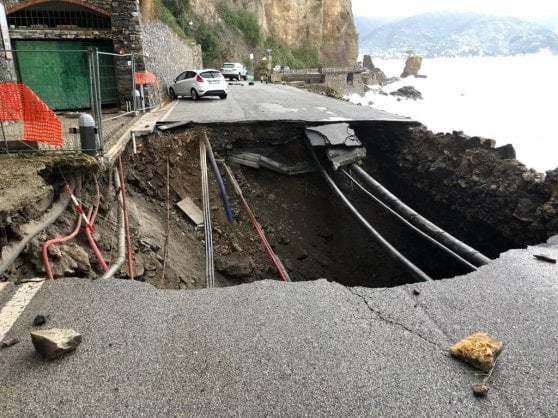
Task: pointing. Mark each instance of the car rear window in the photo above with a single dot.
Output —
(228, 66)
(211, 74)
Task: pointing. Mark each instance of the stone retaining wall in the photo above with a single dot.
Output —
(167, 54)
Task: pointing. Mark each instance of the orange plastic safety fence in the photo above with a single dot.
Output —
(146, 77)
(19, 103)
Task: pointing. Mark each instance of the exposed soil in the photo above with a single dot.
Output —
(312, 232)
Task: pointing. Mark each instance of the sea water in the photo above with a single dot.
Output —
(509, 99)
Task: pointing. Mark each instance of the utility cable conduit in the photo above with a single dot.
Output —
(222, 189)
(421, 222)
(121, 257)
(10, 254)
(89, 219)
(209, 265)
(387, 247)
(281, 270)
(410, 225)
(122, 187)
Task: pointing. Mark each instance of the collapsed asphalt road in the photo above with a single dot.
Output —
(275, 103)
(271, 348)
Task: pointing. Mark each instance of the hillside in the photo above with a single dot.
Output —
(300, 32)
(366, 24)
(458, 34)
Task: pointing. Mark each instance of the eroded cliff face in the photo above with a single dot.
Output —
(326, 25)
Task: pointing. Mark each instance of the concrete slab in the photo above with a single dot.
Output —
(271, 348)
(274, 103)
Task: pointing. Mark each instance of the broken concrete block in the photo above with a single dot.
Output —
(54, 342)
(479, 350)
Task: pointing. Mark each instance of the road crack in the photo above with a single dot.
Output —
(381, 317)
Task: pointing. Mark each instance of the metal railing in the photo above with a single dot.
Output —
(69, 83)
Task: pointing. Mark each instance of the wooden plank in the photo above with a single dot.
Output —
(191, 210)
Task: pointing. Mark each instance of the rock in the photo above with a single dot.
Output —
(326, 234)
(367, 63)
(234, 265)
(479, 350)
(412, 66)
(54, 342)
(8, 342)
(39, 320)
(408, 92)
(284, 240)
(303, 255)
(506, 152)
(480, 389)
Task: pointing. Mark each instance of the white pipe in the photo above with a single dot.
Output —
(11, 253)
(115, 267)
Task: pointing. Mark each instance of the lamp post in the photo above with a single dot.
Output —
(269, 63)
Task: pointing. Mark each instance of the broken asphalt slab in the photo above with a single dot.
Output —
(275, 103)
(270, 348)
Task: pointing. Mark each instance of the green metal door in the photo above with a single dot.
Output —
(60, 76)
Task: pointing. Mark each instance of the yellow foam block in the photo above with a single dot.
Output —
(479, 350)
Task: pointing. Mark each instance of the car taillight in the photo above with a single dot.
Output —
(199, 79)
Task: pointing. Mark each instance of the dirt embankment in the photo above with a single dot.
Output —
(476, 192)
(481, 193)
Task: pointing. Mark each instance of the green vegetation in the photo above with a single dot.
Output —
(178, 15)
(294, 58)
(243, 21)
(165, 15)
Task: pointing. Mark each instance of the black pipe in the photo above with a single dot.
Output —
(410, 225)
(421, 222)
(386, 246)
(222, 189)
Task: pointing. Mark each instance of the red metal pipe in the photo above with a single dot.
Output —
(57, 241)
(95, 248)
(126, 224)
(281, 270)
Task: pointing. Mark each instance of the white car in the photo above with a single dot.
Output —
(199, 83)
(234, 71)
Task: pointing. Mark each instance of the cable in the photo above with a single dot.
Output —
(384, 244)
(435, 231)
(410, 225)
(209, 265)
(281, 270)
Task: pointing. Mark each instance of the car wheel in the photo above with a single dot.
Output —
(172, 94)
(223, 96)
(194, 94)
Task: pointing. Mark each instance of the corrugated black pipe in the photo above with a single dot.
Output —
(220, 183)
(386, 246)
(474, 256)
(410, 225)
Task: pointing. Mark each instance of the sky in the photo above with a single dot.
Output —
(400, 8)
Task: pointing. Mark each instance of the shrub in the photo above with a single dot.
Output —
(242, 21)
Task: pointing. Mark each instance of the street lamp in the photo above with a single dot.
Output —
(269, 63)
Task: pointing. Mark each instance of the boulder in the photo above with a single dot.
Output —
(54, 342)
(367, 63)
(234, 265)
(408, 92)
(412, 66)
